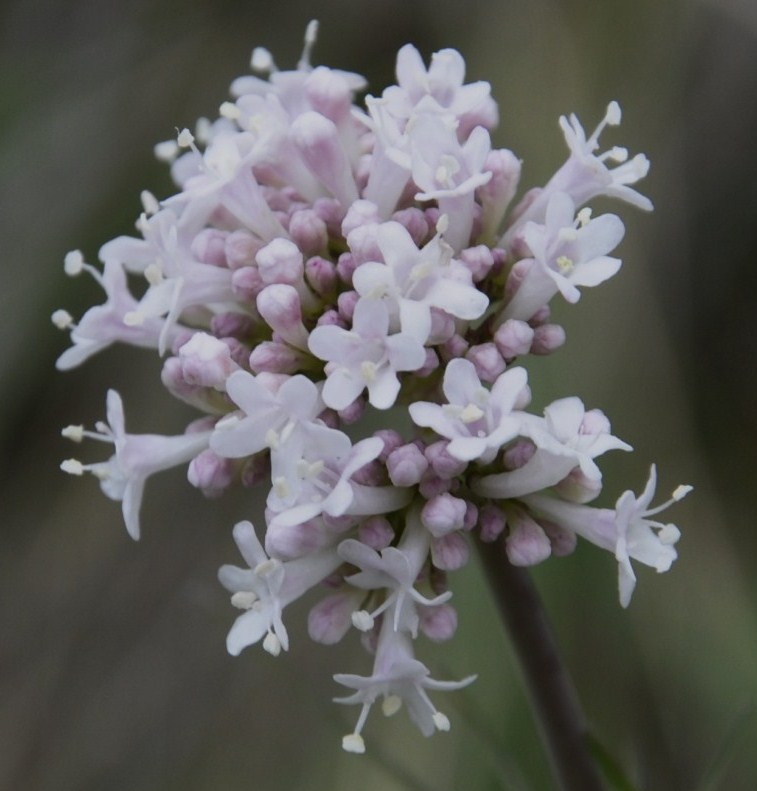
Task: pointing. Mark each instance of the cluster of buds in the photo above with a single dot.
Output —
(325, 265)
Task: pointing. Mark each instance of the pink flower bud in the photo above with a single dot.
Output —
(372, 474)
(496, 194)
(241, 249)
(329, 93)
(415, 223)
(442, 327)
(209, 247)
(430, 365)
(361, 212)
(376, 532)
(210, 472)
(432, 485)
(471, 516)
(391, 439)
(595, 422)
(276, 358)
(330, 317)
(332, 213)
(231, 325)
(450, 552)
(563, 541)
(206, 361)
(279, 305)
(363, 244)
(280, 261)
(526, 544)
(492, 522)
(487, 361)
(455, 347)
(438, 623)
(331, 618)
(247, 283)
(294, 541)
(517, 276)
(478, 260)
(513, 338)
(547, 338)
(352, 413)
(443, 514)
(578, 488)
(321, 276)
(317, 140)
(308, 231)
(346, 304)
(406, 465)
(345, 267)
(442, 463)
(518, 454)
(255, 469)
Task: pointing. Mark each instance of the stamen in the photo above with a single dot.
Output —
(353, 743)
(471, 414)
(368, 371)
(272, 644)
(243, 600)
(564, 264)
(391, 705)
(149, 202)
(311, 35)
(166, 151)
(362, 620)
(134, 318)
(75, 433)
(441, 721)
(272, 439)
(613, 115)
(62, 319)
(153, 274)
(262, 61)
(72, 467)
(583, 217)
(230, 110)
(681, 491)
(442, 224)
(281, 488)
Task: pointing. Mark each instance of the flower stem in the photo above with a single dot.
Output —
(553, 697)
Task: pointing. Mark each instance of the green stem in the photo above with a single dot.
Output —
(553, 697)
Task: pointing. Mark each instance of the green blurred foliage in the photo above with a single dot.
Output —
(113, 672)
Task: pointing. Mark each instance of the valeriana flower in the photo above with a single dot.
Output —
(366, 356)
(477, 421)
(137, 457)
(414, 280)
(266, 588)
(627, 532)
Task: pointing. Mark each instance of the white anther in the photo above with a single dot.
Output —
(272, 439)
(584, 216)
(681, 491)
(353, 743)
(441, 721)
(230, 110)
(368, 371)
(153, 274)
(149, 202)
(442, 224)
(72, 467)
(134, 318)
(391, 705)
(669, 534)
(243, 600)
(272, 644)
(185, 138)
(75, 433)
(613, 115)
(203, 130)
(73, 263)
(261, 60)
(62, 319)
(471, 414)
(564, 264)
(166, 151)
(362, 620)
(281, 487)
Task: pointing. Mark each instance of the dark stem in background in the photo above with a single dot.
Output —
(553, 698)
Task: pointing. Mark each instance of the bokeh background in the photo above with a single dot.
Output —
(113, 670)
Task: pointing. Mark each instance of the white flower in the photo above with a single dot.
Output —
(266, 588)
(476, 420)
(627, 531)
(414, 280)
(137, 457)
(365, 357)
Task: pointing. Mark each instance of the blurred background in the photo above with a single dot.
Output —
(113, 669)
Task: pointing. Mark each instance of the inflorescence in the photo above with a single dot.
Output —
(321, 262)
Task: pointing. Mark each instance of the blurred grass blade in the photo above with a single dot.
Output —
(611, 770)
(733, 738)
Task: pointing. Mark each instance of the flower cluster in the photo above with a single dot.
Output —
(321, 261)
